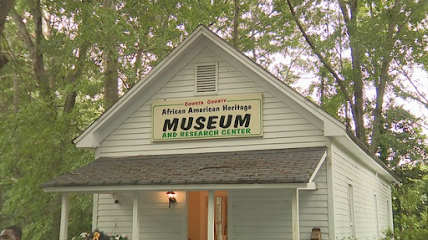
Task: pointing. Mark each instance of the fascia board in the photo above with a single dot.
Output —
(196, 187)
(166, 69)
(87, 142)
(350, 146)
(330, 125)
(334, 129)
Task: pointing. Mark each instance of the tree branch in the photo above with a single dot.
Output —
(70, 100)
(326, 64)
(235, 24)
(22, 29)
(403, 71)
(344, 11)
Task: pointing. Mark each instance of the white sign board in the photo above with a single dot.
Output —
(207, 117)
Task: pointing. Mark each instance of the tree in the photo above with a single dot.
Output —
(410, 201)
(67, 59)
(363, 44)
(368, 48)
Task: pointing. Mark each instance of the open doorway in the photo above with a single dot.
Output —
(198, 215)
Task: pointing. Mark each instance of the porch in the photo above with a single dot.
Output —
(260, 188)
(201, 215)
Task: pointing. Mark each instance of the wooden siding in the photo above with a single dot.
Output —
(283, 126)
(157, 220)
(261, 214)
(109, 214)
(365, 184)
(313, 207)
(253, 214)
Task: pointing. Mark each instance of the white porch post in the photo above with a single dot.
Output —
(210, 215)
(135, 217)
(95, 211)
(65, 209)
(295, 214)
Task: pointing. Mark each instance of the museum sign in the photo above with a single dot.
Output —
(208, 117)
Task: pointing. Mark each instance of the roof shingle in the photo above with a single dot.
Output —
(244, 167)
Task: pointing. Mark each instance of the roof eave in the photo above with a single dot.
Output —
(196, 187)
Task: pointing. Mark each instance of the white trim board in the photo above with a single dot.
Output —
(119, 188)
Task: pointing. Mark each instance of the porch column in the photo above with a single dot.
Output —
(295, 214)
(210, 215)
(135, 217)
(95, 199)
(65, 209)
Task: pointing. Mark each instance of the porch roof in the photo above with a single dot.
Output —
(242, 167)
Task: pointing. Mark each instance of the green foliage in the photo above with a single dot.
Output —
(403, 148)
(411, 203)
(379, 44)
(39, 148)
(36, 133)
(401, 139)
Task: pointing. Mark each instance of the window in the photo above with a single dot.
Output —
(376, 216)
(351, 211)
(388, 214)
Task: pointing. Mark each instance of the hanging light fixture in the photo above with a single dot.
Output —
(171, 197)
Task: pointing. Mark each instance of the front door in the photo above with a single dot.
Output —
(198, 215)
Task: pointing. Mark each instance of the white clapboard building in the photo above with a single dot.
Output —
(241, 155)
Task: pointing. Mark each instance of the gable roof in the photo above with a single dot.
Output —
(202, 38)
(262, 167)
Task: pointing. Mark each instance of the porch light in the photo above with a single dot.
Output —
(171, 197)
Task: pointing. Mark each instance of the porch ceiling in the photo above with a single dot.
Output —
(245, 167)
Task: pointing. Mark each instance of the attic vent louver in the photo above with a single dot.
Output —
(206, 79)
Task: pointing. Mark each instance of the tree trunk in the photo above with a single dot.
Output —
(70, 101)
(110, 64)
(15, 80)
(110, 79)
(39, 68)
(1, 204)
(235, 24)
(380, 85)
(15, 93)
(34, 47)
(254, 10)
(5, 6)
(350, 13)
(322, 89)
